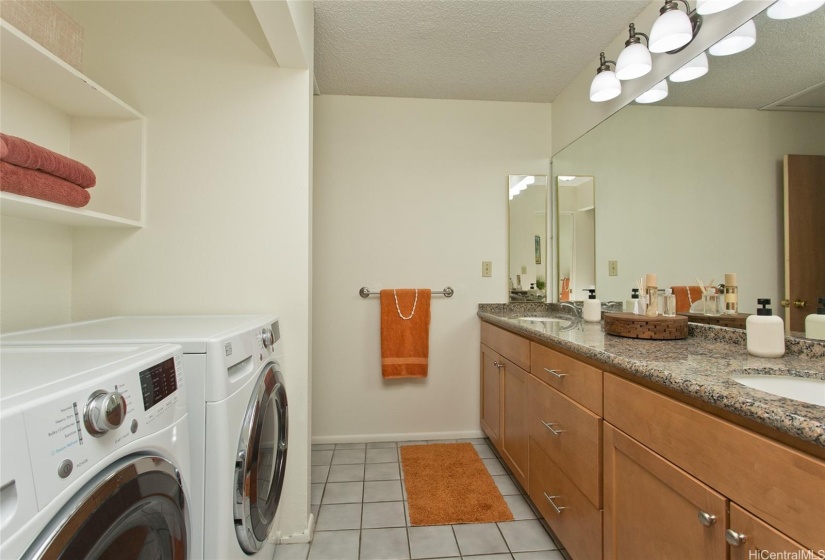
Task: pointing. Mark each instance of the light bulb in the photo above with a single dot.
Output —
(605, 86)
(634, 61)
(671, 30)
(696, 68)
(741, 39)
(787, 9)
(706, 7)
(654, 94)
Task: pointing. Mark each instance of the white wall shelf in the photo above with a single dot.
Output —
(50, 103)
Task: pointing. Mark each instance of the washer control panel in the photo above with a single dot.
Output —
(74, 431)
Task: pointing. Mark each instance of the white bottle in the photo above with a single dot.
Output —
(592, 310)
(815, 322)
(765, 332)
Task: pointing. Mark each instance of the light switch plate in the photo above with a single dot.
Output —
(486, 269)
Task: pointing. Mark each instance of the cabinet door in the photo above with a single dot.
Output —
(653, 509)
(514, 429)
(491, 395)
(749, 536)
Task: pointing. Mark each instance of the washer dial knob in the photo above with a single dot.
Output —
(104, 411)
(266, 337)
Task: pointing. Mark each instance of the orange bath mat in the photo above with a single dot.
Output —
(448, 484)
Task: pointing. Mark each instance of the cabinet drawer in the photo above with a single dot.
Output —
(780, 485)
(579, 523)
(577, 380)
(511, 346)
(577, 448)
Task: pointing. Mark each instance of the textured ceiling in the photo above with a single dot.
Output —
(498, 50)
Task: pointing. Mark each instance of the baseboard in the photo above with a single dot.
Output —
(421, 436)
(297, 538)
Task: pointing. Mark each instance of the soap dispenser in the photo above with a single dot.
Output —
(592, 310)
(632, 305)
(765, 332)
(815, 322)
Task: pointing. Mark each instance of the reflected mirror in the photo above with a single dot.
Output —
(577, 235)
(692, 187)
(528, 237)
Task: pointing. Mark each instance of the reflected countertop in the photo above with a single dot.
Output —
(699, 366)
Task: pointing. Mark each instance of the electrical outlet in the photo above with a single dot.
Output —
(486, 269)
(613, 268)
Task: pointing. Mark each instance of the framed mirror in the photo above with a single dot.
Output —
(527, 237)
(576, 218)
(693, 187)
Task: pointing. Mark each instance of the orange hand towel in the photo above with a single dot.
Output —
(405, 333)
(686, 296)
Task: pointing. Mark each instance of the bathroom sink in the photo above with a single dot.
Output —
(806, 389)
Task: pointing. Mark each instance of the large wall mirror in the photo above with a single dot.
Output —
(692, 187)
(528, 237)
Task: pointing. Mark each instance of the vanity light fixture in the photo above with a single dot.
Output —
(634, 61)
(787, 9)
(605, 85)
(696, 68)
(741, 39)
(706, 7)
(673, 30)
(654, 94)
(567, 178)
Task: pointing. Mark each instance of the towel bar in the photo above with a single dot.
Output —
(365, 292)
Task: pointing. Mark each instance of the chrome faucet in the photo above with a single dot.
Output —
(572, 307)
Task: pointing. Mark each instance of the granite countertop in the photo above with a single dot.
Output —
(699, 366)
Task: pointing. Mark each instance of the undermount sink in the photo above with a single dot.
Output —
(806, 389)
(544, 319)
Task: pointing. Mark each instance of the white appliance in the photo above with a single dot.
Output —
(238, 417)
(94, 452)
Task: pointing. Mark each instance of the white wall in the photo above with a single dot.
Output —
(410, 193)
(697, 192)
(228, 193)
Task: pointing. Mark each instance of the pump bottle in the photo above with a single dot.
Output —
(815, 322)
(592, 310)
(765, 332)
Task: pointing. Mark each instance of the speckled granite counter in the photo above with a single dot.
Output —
(699, 366)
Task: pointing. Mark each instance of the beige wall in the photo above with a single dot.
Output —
(410, 193)
(692, 192)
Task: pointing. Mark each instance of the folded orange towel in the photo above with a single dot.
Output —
(405, 333)
(26, 154)
(686, 296)
(36, 184)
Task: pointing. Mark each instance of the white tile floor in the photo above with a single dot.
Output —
(360, 504)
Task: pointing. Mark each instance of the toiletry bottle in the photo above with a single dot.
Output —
(632, 305)
(592, 310)
(731, 295)
(815, 322)
(652, 295)
(669, 304)
(765, 332)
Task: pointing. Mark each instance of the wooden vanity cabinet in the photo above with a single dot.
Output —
(749, 535)
(491, 394)
(514, 428)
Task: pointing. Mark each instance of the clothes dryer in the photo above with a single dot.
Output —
(94, 453)
(233, 368)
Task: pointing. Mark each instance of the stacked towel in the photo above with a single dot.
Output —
(31, 170)
(685, 296)
(405, 333)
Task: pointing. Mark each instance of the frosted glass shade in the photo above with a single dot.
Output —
(671, 30)
(654, 94)
(787, 9)
(634, 61)
(705, 7)
(696, 68)
(741, 39)
(605, 86)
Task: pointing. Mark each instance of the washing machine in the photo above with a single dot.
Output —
(94, 453)
(233, 369)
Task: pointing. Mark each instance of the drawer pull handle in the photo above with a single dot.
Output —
(548, 426)
(498, 364)
(734, 538)
(556, 373)
(706, 519)
(558, 509)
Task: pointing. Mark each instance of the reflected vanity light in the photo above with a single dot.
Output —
(521, 185)
(787, 9)
(567, 178)
(707, 7)
(634, 61)
(696, 68)
(654, 94)
(605, 85)
(673, 29)
(741, 39)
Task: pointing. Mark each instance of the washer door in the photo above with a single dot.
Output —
(135, 510)
(261, 460)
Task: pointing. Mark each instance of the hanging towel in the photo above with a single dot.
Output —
(36, 184)
(26, 154)
(685, 296)
(405, 343)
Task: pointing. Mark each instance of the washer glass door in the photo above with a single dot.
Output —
(259, 470)
(135, 510)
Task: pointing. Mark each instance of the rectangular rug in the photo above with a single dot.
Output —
(447, 484)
